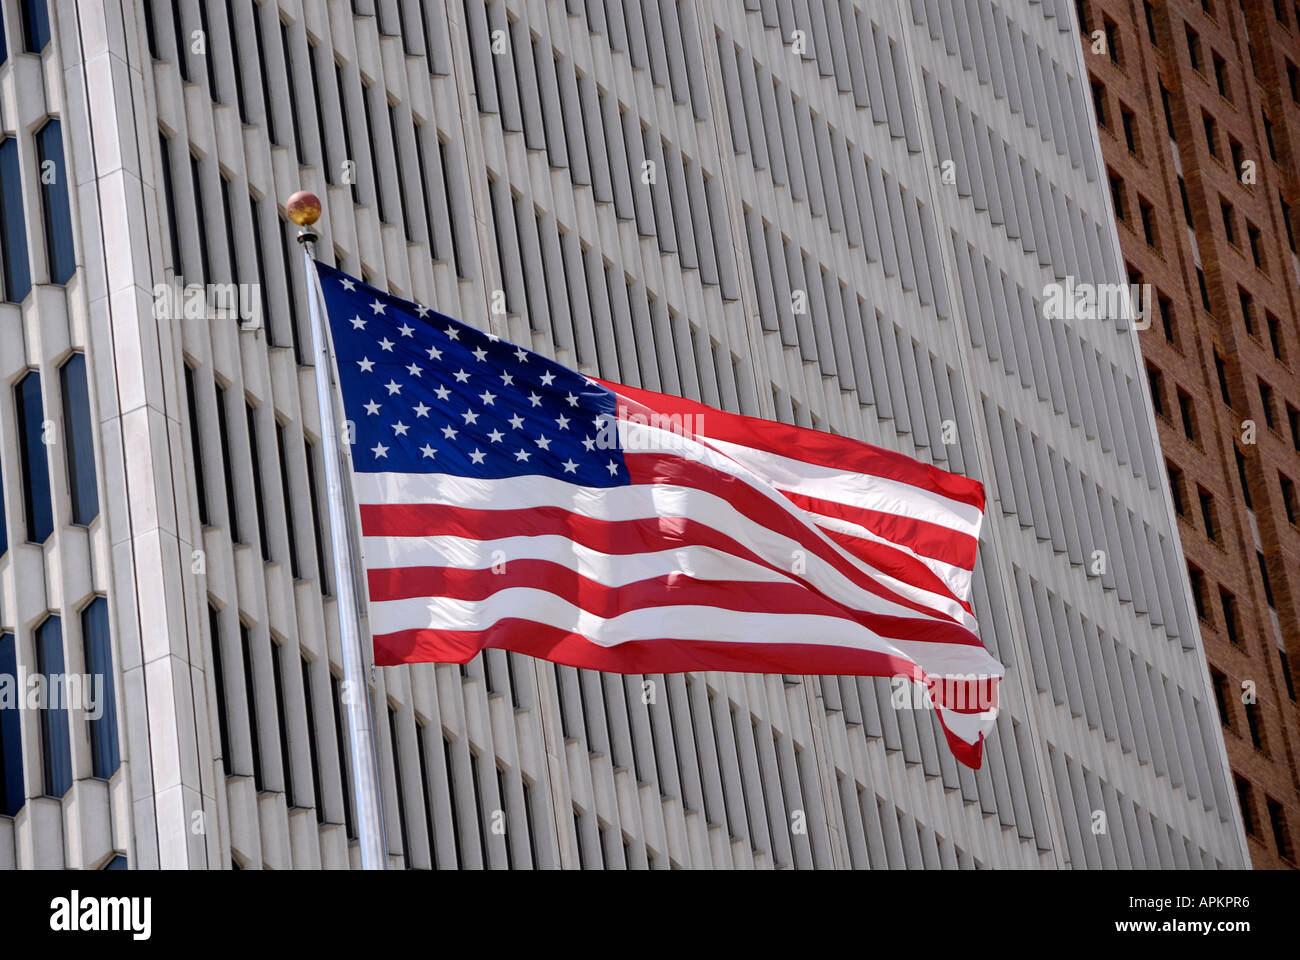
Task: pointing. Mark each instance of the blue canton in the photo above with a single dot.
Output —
(428, 394)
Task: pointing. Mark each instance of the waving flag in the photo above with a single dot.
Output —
(509, 502)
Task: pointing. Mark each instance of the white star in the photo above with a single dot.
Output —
(366, 364)
(495, 436)
(461, 376)
(570, 466)
(573, 401)
(421, 410)
(507, 379)
(372, 408)
(522, 455)
(517, 422)
(406, 330)
(357, 323)
(563, 422)
(452, 333)
(386, 344)
(480, 354)
(590, 444)
(477, 456)
(400, 428)
(470, 416)
(435, 353)
(612, 467)
(449, 433)
(413, 370)
(442, 392)
(347, 283)
(599, 421)
(379, 450)
(393, 387)
(544, 442)
(422, 311)
(521, 356)
(535, 400)
(547, 378)
(487, 397)
(377, 307)
(428, 451)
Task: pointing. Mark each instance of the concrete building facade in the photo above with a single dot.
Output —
(1198, 106)
(844, 214)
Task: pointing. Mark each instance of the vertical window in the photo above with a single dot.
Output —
(288, 501)
(1268, 134)
(267, 113)
(36, 25)
(309, 704)
(1176, 489)
(1247, 310)
(1168, 110)
(169, 195)
(250, 692)
(315, 516)
(1241, 478)
(32, 453)
(1221, 76)
(1167, 319)
(1281, 832)
(219, 681)
(401, 792)
(347, 127)
(1221, 371)
(1266, 399)
(196, 446)
(255, 210)
(78, 442)
(1238, 154)
(1211, 134)
(228, 218)
(1256, 727)
(1148, 222)
(1151, 22)
(1289, 499)
(284, 227)
(1112, 40)
(178, 34)
(223, 425)
(54, 202)
(1187, 413)
(1197, 580)
(12, 792)
(336, 697)
(1205, 290)
(1293, 420)
(280, 653)
(1099, 103)
(255, 459)
(4, 55)
(56, 753)
(1263, 575)
(1222, 696)
(292, 92)
(1229, 604)
(1187, 203)
(1129, 122)
(13, 229)
(1209, 516)
(1286, 221)
(236, 62)
(1156, 382)
(201, 218)
(313, 54)
(1229, 227)
(1117, 196)
(1194, 48)
(1275, 336)
(1246, 800)
(104, 751)
(1256, 251)
(208, 59)
(4, 526)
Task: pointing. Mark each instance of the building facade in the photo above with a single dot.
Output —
(1199, 107)
(842, 214)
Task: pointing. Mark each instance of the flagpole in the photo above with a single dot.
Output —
(304, 209)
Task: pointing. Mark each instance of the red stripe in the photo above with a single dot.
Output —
(896, 563)
(619, 537)
(650, 656)
(927, 539)
(810, 446)
(752, 502)
(669, 590)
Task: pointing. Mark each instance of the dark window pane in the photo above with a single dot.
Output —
(250, 692)
(254, 457)
(196, 447)
(4, 527)
(315, 516)
(78, 442)
(11, 740)
(232, 514)
(53, 203)
(169, 193)
(291, 529)
(117, 863)
(201, 219)
(336, 697)
(279, 653)
(104, 752)
(35, 477)
(56, 753)
(4, 46)
(13, 229)
(219, 680)
(311, 740)
(36, 25)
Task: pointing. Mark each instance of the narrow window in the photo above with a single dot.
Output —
(291, 529)
(79, 445)
(54, 203)
(219, 682)
(1197, 580)
(56, 753)
(1266, 399)
(1246, 800)
(104, 752)
(1209, 515)
(34, 467)
(36, 25)
(1289, 503)
(169, 194)
(12, 790)
(1263, 575)
(201, 218)
(1176, 489)
(291, 91)
(1222, 696)
(279, 654)
(1241, 478)
(223, 424)
(16, 273)
(1229, 604)
(336, 697)
(1221, 370)
(1187, 412)
(250, 692)
(255, 459)
(1281, 832)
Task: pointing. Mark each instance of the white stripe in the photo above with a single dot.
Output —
(610, 570)
(641, 501)
(689, 623)
(855, 489)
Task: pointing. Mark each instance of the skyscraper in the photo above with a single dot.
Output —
(852, 216)
(1198, 106)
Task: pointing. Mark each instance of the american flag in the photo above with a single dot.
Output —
(509, 502)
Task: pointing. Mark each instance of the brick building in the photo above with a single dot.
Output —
(1198, 102)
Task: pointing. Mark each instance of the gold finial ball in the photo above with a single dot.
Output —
(303, 208)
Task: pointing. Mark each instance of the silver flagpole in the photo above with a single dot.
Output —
(304, 209)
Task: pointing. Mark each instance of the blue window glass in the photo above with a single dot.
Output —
(56, 751)
(4, 47)
(14, 268)
(78, 441)
(36, 25)
(104, 753)
(35, 466)
(11, 738)
(117, 863)
(54, 203)
(4, 529)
